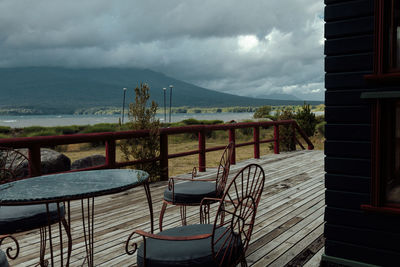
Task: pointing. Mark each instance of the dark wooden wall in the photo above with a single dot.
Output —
(350, 232)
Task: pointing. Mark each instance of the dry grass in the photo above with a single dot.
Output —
(181, 143)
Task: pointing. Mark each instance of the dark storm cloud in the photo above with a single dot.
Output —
(264, 46)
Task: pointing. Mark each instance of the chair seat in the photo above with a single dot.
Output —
(190, 192)
(3, 259)
(183, 253)
(14, 219)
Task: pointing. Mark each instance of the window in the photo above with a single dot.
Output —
(385, 186)
(393, 36)
(390, 152)
(387, 40)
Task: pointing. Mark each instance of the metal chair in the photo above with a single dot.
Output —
(221, 243)
(11, 252)
(15, 219)
(192, 191)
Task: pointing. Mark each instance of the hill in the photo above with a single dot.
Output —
(64, 90)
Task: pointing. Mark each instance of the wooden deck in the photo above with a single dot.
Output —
(288, 230)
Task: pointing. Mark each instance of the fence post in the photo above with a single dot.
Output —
(232, 139)
(256, 136)
(293, 146)
(276, 138)
(164, 157)
(110, 154)
(202, 151)
(34, 161)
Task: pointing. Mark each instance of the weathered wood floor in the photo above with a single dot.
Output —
(288, 231)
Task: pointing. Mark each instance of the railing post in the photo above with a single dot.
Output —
(276, 138)
(110, 154)
(293, 145)
(164, 157)
(232, 139)
(256, 136)
(34, 161)
(202, 151)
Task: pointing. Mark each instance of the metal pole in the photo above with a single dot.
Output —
(123, 106)
(165, 105)
(170, 101)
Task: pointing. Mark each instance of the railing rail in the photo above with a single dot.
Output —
(33, 144)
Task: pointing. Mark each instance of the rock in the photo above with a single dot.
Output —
(87, 162)
(51, 161)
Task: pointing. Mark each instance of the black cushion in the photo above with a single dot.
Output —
(3, 259)
(14, 219)
(191, 192)
(183, 253)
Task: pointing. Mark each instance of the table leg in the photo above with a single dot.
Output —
(150, 202)
(88, 229)
(64, 221)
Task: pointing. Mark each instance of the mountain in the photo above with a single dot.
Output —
(64, 90)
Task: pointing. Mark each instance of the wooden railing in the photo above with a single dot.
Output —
(33, 144)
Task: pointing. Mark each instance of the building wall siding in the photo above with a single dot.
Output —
(351, 233)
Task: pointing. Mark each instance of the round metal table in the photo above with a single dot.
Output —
(65, 187)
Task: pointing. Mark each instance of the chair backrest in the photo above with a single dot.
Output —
(13, 165)
(236, 214)
(223, 168)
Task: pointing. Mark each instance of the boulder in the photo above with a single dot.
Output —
(94, 160)
(51, 161)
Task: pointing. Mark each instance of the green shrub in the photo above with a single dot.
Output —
(99, 128)
(44, 132)
(32, 129)
(71, 129)
(286, 142)
(321, 128)
(5, 129)
(4, 136)
(262, 112)
(306, 119)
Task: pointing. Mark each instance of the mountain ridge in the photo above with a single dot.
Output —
(64, 90)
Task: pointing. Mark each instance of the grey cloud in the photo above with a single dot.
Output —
(196, 41)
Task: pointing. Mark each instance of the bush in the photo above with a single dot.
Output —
(5, 129)
(306, 120)
(286, 142)
(262, 112)
(32, 129)
(44, 132)
(2, 136)
(321, 128)
(99, 128)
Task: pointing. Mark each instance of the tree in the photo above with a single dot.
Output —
(262, 112)
(306, 119)
(143, 116)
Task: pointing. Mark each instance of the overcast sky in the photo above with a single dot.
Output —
(263, 46)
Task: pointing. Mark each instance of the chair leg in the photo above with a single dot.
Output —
(243, 262)
(163, 208)
(183, 214)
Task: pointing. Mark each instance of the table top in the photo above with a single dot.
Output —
(70, 186)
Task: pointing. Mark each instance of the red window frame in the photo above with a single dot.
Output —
(380, 150)
(386, 67)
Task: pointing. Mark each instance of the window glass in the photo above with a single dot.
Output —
(392, 158)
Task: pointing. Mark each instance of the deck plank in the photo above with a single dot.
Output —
(289, 220)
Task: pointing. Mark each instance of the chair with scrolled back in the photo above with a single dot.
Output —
(191, 191)
(221, 243)
(15, 219)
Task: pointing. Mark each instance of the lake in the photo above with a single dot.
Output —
(63, 120)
